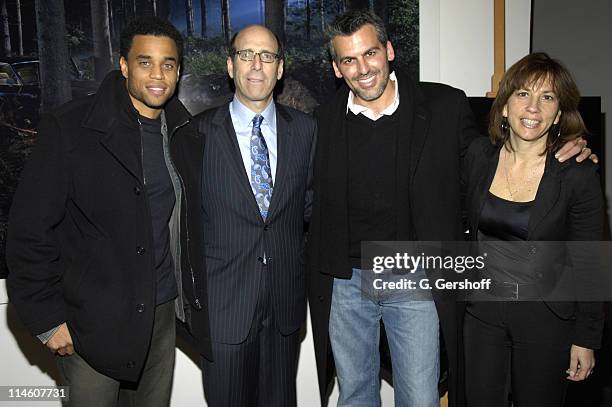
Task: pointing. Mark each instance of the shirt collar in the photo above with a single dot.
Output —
(243, 116)
(389, 110)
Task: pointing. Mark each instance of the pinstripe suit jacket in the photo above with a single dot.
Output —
(236, 236)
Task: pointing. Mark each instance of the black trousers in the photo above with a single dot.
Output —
(260, 371)
(523, 341)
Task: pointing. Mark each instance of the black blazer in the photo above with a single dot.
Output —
(568, 207)
(235, 235)
(437, 129)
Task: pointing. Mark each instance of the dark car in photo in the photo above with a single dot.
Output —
(20, 89)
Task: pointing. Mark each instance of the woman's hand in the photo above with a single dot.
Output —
(582, 362)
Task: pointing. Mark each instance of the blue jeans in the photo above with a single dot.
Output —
(412, 330)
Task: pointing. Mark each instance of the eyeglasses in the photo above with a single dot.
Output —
(249, 55)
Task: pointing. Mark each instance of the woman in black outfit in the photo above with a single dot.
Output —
(519, 194)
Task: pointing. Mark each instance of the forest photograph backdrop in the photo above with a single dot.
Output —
(54, 50)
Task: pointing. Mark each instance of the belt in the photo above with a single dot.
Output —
(512, 290)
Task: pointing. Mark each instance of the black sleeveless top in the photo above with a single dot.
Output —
(504, 220)
(502, 232)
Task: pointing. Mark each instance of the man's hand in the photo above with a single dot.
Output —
(582, 362)
(576, 147)
(61, 341)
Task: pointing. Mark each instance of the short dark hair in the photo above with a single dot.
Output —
(350, 22)
(231, 49)
(535, 69)
(149, 26)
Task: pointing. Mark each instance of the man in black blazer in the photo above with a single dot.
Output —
(256, 197)
(387, 168)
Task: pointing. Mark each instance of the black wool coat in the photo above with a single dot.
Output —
(80, 246)
(435, 135)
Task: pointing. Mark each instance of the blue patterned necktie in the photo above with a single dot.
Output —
(261, 173)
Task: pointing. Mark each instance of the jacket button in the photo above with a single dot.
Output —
(140, 308)
(197, 304)
(321, 298)
(137, 190)
(266, 227)
(140, 250)
(131, 364)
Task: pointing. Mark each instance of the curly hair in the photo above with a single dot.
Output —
(149, 26)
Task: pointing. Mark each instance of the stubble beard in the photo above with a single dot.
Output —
(378, 91)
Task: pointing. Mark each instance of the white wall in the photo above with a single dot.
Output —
(3, 296)
(580, 36)
(456, 48)
(37, 369)
(456, 43)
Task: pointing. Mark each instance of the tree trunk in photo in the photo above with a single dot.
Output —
(163, 9)
(83, 13)
(340, 6)
(6, 33)
(189, 16)
(19, 27)
(117, 19)
(357, 4)
(103, 55)
(322, 16)
(262, 12)
(145, 7)
(308, 20)
(225, 22)
(129, 7)
(111, 21)
(52, 53)
(203, 18)
(381, 8)
(275, 18)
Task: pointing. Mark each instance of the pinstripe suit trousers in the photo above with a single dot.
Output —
(261, 370)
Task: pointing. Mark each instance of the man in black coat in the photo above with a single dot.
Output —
(387, 168)
(97, 242)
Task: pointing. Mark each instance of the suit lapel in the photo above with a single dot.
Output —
(418, 123)
(481, 189)
(547, 195)
(419, 134)
(229, 144)
(284, 153)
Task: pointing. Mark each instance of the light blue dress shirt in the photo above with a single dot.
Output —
(242, 119)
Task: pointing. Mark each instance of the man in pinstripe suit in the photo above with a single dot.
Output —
(256, 196)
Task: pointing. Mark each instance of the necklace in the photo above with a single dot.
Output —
(528, 184)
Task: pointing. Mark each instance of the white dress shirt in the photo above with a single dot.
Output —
(242, 119)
